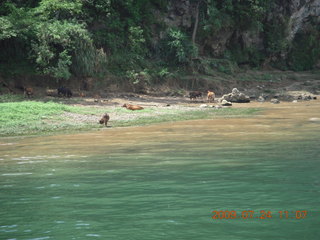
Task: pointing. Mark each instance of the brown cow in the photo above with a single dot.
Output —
(210, 96)
(27, 91)
(104, 120)
(132, 107)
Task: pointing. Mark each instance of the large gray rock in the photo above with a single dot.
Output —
(235, 96)
(300, 13)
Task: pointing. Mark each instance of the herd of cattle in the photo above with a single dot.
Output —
(195, 94)
(61, 92)
(66, 92)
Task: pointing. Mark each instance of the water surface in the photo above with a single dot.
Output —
(164, 181)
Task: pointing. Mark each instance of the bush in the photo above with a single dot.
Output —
(177, 48)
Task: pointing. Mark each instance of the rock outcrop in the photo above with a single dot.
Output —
(294, 15)
(300, 11)
(235, 96)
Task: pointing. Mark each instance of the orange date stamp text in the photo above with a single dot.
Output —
(262, 214)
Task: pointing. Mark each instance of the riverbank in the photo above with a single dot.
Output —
(43, 115)
(20, 117)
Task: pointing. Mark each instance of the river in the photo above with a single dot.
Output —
(238, 178)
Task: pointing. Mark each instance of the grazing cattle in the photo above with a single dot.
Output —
(27, 91)
(104, 120)
(210, 96)
(193, 95)
(51, 92)
(66, 92)
(132, 107)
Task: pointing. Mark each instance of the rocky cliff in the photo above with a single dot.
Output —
(299, 13)
(274, 34)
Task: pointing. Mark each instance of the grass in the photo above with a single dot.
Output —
(31, 117)
(19, 117)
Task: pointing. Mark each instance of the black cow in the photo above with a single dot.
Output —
(195, 94)
(63, 91)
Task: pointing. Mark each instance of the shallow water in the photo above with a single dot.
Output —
(164, 181)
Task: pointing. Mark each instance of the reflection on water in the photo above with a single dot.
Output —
(164, 181)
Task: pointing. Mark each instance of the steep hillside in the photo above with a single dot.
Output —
(142, 43)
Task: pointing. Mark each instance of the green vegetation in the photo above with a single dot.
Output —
(109, 39)
(30, 117)
(35, 117)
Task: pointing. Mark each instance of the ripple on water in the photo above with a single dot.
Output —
(8, 228)
(40, 157)
(93, 235)
(56, 197)
(59, 222)
(39, 238)
(83, 224)
(32, 162)
(16, 174)
(55, 185)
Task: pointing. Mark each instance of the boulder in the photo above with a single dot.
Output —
(235, 96)
(261, 99)
(226, 103)
(275, 101)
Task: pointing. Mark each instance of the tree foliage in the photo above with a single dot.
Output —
(56, 41)
(178, 48)
(82, 38)
(6, 29)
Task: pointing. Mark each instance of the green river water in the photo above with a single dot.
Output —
(165, 181)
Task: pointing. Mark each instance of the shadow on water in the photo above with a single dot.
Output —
(165, 181)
